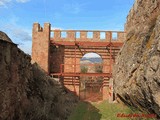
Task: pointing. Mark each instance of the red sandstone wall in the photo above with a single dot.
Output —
(56, 58)
(69, 57)
(71, 35)
(66, 55)
(40, 45)
(50, 57)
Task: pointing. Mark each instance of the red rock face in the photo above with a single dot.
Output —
(4, 37)
(25, 90)
(136, 73)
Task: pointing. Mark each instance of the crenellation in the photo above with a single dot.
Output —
(57, 35)
(108, 36)
(37, 27)
(71, 35)
(96, 36)
(83, 35)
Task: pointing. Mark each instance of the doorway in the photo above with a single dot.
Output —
(91, 87)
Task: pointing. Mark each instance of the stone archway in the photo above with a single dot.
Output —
(91, 87)
(91, 63)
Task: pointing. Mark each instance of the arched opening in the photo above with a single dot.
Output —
(91, 87)
(91, 63)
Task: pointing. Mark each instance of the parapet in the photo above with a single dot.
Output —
(88, 35)
(38, 28)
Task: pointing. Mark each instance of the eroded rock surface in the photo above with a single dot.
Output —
(137, 69)
(4, 37)
(26, 93)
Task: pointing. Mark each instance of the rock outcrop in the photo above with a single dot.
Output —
(26, 93)
(4, 37)
(137, 68)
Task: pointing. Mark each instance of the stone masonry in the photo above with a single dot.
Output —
(56, 53)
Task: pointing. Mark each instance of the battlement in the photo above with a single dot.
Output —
(88, 35)
(37, 27)
(79, 35)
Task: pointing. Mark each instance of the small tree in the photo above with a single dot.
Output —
(98, 68)
(84, 69)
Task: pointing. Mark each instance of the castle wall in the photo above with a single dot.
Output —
(55, 58)
(41, 45)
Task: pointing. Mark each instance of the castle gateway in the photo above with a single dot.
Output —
(58, 53)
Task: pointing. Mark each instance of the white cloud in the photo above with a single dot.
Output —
(14, 29)
(26, 47)
(18, 34)
(3, 3)
(91, 55)
(22, 1)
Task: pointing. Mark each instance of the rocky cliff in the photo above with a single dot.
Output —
(26, 93)
(137, 68)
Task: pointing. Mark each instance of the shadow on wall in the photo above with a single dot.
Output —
(56, 58)
(84, 110)
(48, 98)
(60, 101)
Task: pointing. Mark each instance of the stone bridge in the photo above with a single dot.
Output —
(59, 52)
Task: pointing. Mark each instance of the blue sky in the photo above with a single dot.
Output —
(18, 16)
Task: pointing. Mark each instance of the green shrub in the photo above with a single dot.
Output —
(84, 69)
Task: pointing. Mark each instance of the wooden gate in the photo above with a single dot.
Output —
(91, 88)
